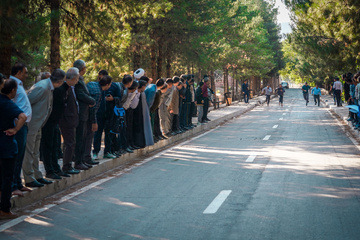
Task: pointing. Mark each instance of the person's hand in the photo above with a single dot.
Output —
(171, 111)
(10, 132)
(109, 98)
(94, 127)
(92, 105)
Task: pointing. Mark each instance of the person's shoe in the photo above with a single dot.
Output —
(315, 103)
(81, 167)
(135, 147)
(25, 189)
(53, 176)
(87, 165)
(129, 150)
(117, 154)
(95, 156)
(156, 140)
(122, 151)
(62, 174)
(17, 192)
(44, 181)
(34, 184)
(164, 137)
(207, 119)
(7, 215)
(109, 155)
(92, 162)
(350, 119)
(71, 171)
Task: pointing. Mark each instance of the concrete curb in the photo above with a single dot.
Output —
(39, 194)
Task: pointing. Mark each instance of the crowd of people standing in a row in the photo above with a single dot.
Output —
(132, 114)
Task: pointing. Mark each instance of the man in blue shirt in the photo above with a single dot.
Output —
(317, 93)
(305, 89)
(8, 145)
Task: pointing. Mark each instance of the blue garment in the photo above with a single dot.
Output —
(150, 92)
(9, 111)
(352, 90)
(245, 88)
(316, 91)
(21, 99)
(95, 91)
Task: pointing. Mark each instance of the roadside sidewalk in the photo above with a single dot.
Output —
(217, 116)
(341, 113)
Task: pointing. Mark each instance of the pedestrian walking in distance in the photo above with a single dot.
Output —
(317, 93)
(337, 90)
(268, 92)
(305, 89)
(280, 91)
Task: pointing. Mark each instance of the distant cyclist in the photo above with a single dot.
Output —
(305, 89)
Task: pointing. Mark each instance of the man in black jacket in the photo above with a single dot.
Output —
(48, 138)
(85, 101)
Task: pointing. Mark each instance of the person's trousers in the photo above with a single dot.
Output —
(246, 97)
(281, 99)
(165, 119)
(176, 124)
(30, 164)
(317, 99)
(7, 166)
(123, 143)
(191, 113)
(88, 141)
(200, 112)
(157, 129)
(182, 115)
(338, 97)
(205, 109)
(20, 138)
(268, 99)
(129, 126)
(103, 126)
(80, 142)
(306, 97)
(49, 147)
(69, 136)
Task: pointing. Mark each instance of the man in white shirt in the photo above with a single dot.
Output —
(337, 90)
(268, 91)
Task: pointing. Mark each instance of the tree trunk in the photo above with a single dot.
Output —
(5, 50)
(168, 63)
(233, 86)
(55, 35)
(213, 86)
(153, 60)
(159, 60)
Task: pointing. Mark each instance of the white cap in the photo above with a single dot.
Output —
(139, 73)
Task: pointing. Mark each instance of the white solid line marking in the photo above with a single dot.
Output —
(275, 126)
(217, 202)
(281, 119)
(18, 220)
(251, 158)
(267, 137)
(284, 114)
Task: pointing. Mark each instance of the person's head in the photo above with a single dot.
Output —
(42, 76)
(280, 86)
(306, 83)
(105, 82)
(72, 76)
(191, 81)
(180, 85)
(169, 82)
(101, 74)
(146, 79)
(246, 81)
(160, 83)
(133, 87)
(176, 80)
(201, 84)
(142, 85)
(317, 86)
(9, 88)
(337, 79)
(57, 77)
(127, 81)
(183, 77)
(206, 77)
(80, 64)
(164, 88)
(2, 81)
(19, 71)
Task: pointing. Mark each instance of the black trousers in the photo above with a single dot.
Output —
(157, 129)
(206, 109)
(49, 147)
(175, 122)
(130, 126)
(7, 166)
(69, 135)
(268, 99)
(338, 97)
(317, 99)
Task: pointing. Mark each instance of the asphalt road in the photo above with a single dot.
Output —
(274, 173)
